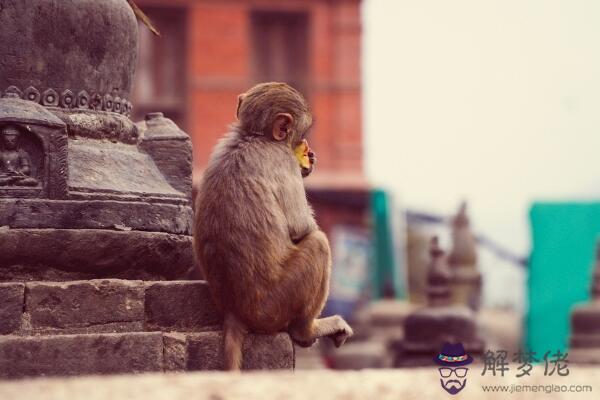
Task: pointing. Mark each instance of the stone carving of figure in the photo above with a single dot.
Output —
(15, 164)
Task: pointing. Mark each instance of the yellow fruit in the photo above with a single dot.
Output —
(301, 152)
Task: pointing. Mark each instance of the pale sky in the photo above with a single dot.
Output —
(493, 101)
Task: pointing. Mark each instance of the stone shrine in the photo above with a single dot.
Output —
(440, 321)
(95, 211)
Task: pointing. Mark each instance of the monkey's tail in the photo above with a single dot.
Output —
(234, 332)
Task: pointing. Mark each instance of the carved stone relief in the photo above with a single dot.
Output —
(67, 99)
(20, 158)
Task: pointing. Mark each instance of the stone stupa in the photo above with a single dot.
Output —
(95, 211)
(84, 192)
(465, 281)
(585, 323)
(440, 321)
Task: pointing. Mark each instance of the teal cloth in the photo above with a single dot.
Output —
(564, 239)
(387, 273)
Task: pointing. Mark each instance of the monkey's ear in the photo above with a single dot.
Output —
(240, 99)
(282, 125)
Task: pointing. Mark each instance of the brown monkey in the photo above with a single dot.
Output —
(265, 259)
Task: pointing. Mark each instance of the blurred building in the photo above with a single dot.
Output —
(210, 51)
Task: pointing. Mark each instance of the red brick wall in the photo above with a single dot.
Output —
(219, 67)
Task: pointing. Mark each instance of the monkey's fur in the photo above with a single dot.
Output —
(265, 259)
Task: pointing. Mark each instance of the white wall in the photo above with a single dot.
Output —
(494, 101)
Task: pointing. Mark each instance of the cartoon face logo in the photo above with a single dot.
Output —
(453, 373)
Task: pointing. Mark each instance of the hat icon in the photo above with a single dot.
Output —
(453, 355)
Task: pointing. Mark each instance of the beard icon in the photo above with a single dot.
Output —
(453, 386)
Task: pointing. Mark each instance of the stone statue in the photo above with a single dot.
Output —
(15, 164)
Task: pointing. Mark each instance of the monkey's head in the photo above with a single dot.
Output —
(278, 112)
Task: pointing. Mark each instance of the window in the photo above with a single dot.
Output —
(280, 47)
(160, 75)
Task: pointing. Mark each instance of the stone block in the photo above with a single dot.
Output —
(11, 307)
(36, 213)
(103, 253)
(204, 351)
(80, 354)
(180, 306)
(175, 351)
(85, 305)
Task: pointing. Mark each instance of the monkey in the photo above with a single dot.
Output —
(266, 261)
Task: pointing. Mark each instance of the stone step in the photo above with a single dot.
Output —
(105, 305)
(38, 253)
(134, 352)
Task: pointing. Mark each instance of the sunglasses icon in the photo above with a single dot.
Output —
(459, 372)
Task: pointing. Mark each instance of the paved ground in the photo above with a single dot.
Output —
(419, 384)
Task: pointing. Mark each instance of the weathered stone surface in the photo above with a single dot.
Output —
(204, 351)
(27, 273)
(180, 306)
(103, 353)
(171, 150)
(105, 254)
(107, 353)
(94, 124)
(106, 170)
(11, 307)
(35, 213)
(175, 351)
(268, 352)
(108, 305)
(85, 304)
(99, 38)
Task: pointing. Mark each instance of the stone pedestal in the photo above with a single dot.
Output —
(585, 324)
(428, 328)
(465, 281)
(87, 196)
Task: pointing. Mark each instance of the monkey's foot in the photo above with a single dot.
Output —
(342, 333)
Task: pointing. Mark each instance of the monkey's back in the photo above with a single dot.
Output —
(241, 233)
